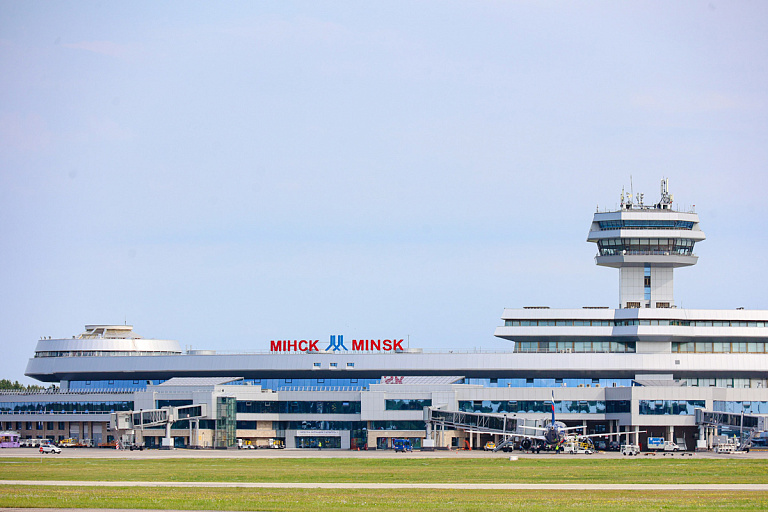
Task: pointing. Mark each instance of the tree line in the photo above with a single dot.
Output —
(6, 384)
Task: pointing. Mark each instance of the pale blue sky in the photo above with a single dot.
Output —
(225, 174)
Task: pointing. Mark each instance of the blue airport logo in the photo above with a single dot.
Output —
(337, 343)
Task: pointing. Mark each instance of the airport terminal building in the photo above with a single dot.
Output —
(645, 366)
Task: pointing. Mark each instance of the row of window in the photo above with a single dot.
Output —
(35, 425)
(575, 346)
(356, 427)
(65, 407)
(278, 384)
(725, 383)
(669, 407)
(644, 224)
(102, 353)
(545, 406)
(648, 407)
(719, 347)
(112, 383)
(406, 405)
(298, 407)
(739, 407)
(548, 383)
(624, 323)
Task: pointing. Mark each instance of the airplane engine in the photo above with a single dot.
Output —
(526, 444)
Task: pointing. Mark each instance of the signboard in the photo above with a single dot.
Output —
(318, 433)
(336, 344)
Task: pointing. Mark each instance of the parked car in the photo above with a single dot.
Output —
(49, 448)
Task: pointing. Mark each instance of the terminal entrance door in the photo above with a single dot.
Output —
(318, 442)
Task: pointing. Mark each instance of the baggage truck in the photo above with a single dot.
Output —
(658, 443)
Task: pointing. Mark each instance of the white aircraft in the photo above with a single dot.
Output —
(553, 434)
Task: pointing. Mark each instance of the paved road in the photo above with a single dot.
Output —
(306, 453)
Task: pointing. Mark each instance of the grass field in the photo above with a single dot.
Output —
(441, 470)
(324, 500)
(438, 470)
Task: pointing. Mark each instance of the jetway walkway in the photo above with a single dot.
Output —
(125, 421)
(505, 425)
(476, 422)
(748, 424)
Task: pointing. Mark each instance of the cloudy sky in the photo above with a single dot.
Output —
(225, 174)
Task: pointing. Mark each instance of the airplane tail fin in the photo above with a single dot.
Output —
(553, 407)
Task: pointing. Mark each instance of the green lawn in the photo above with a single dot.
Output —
(325, 500)
(438, 470)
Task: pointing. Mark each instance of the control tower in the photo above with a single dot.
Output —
(646, 243)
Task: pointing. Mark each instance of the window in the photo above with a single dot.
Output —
(316, 365)
(350, 365)
(633, 305)
(334, 365)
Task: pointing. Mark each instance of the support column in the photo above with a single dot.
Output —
(167, 440)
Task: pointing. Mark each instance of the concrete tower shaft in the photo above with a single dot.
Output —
(646, 243)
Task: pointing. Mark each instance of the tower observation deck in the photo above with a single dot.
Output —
(646, 243)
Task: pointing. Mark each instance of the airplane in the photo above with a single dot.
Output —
(553, 434)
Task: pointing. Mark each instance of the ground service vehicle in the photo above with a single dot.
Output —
(630, 449)
(576, 448)
(49, 448)
(658, 443)
(245, 444)
(401, 445)
(489, 446)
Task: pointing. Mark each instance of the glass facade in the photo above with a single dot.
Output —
(583, 345)
(308, 384)
(298, 407)
(398, 425)
(645, 224)
(739, 407)
(669, 407)
(226, 422)
(623, 323)
(66, 407)
(533, 406)
(86, 385)
(645, 246)
(101, 353)
(406, 404)
(548, 383)
(719, 347)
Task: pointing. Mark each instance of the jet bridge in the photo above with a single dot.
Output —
(505, 425)
(166, 416)
(749, 425)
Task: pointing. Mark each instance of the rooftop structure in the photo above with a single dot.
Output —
(646, 243)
